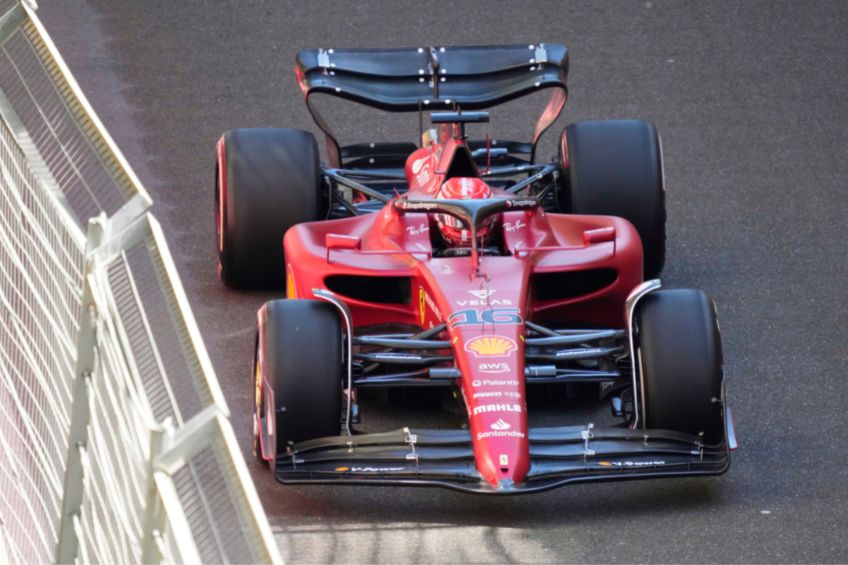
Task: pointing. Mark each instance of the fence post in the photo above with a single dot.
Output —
(154, 513)
(73, 493)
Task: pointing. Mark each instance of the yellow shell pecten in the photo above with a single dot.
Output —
(491, 346)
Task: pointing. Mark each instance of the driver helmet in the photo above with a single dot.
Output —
(453, 229)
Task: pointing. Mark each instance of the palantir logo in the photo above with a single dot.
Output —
(500, 425)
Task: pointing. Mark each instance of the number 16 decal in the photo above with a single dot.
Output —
(499, 316)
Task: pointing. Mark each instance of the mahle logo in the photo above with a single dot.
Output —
(497, 408)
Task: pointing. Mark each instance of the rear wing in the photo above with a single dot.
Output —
(434, 78)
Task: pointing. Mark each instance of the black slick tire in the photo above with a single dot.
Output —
(300, 360)
(680, 357)
(614, 168)
(266, 181)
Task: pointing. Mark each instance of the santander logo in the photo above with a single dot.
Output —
(418, 163)
(500, 425)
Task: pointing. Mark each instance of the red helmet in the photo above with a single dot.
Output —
(453, 229)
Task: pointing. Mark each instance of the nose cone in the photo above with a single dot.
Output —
(493, 384)
(485, 321)
(499, 435)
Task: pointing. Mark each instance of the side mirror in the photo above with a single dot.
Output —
(339, 241)
(599, 235)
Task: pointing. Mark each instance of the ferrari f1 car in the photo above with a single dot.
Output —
(466, 264)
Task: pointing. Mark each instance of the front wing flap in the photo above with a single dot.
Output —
(445, 458)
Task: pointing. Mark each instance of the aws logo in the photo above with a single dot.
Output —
(493, 367)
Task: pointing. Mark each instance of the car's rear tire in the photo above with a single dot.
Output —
(680, 358)
(614, 168)
(300, 364)
(266, 181)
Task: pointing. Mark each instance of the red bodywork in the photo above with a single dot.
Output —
(484, 311)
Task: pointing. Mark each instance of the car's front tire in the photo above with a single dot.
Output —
(680, 360)
(299, 355)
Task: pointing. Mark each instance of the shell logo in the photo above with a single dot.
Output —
(490, 346)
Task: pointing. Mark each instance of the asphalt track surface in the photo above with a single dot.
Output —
(751, 100)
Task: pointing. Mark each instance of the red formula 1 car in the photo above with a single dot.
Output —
(465, 264)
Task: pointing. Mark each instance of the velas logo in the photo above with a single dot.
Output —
(481, 294)
(500, 425)
(497, 408)
(490, 302)
(483, 298)
(491, 346)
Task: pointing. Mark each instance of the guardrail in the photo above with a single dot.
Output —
(115, 440)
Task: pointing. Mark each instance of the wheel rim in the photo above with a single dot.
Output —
(257, 405)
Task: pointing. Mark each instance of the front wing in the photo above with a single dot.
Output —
(445, 458)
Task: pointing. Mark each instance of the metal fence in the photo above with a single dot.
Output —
(114, 435)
